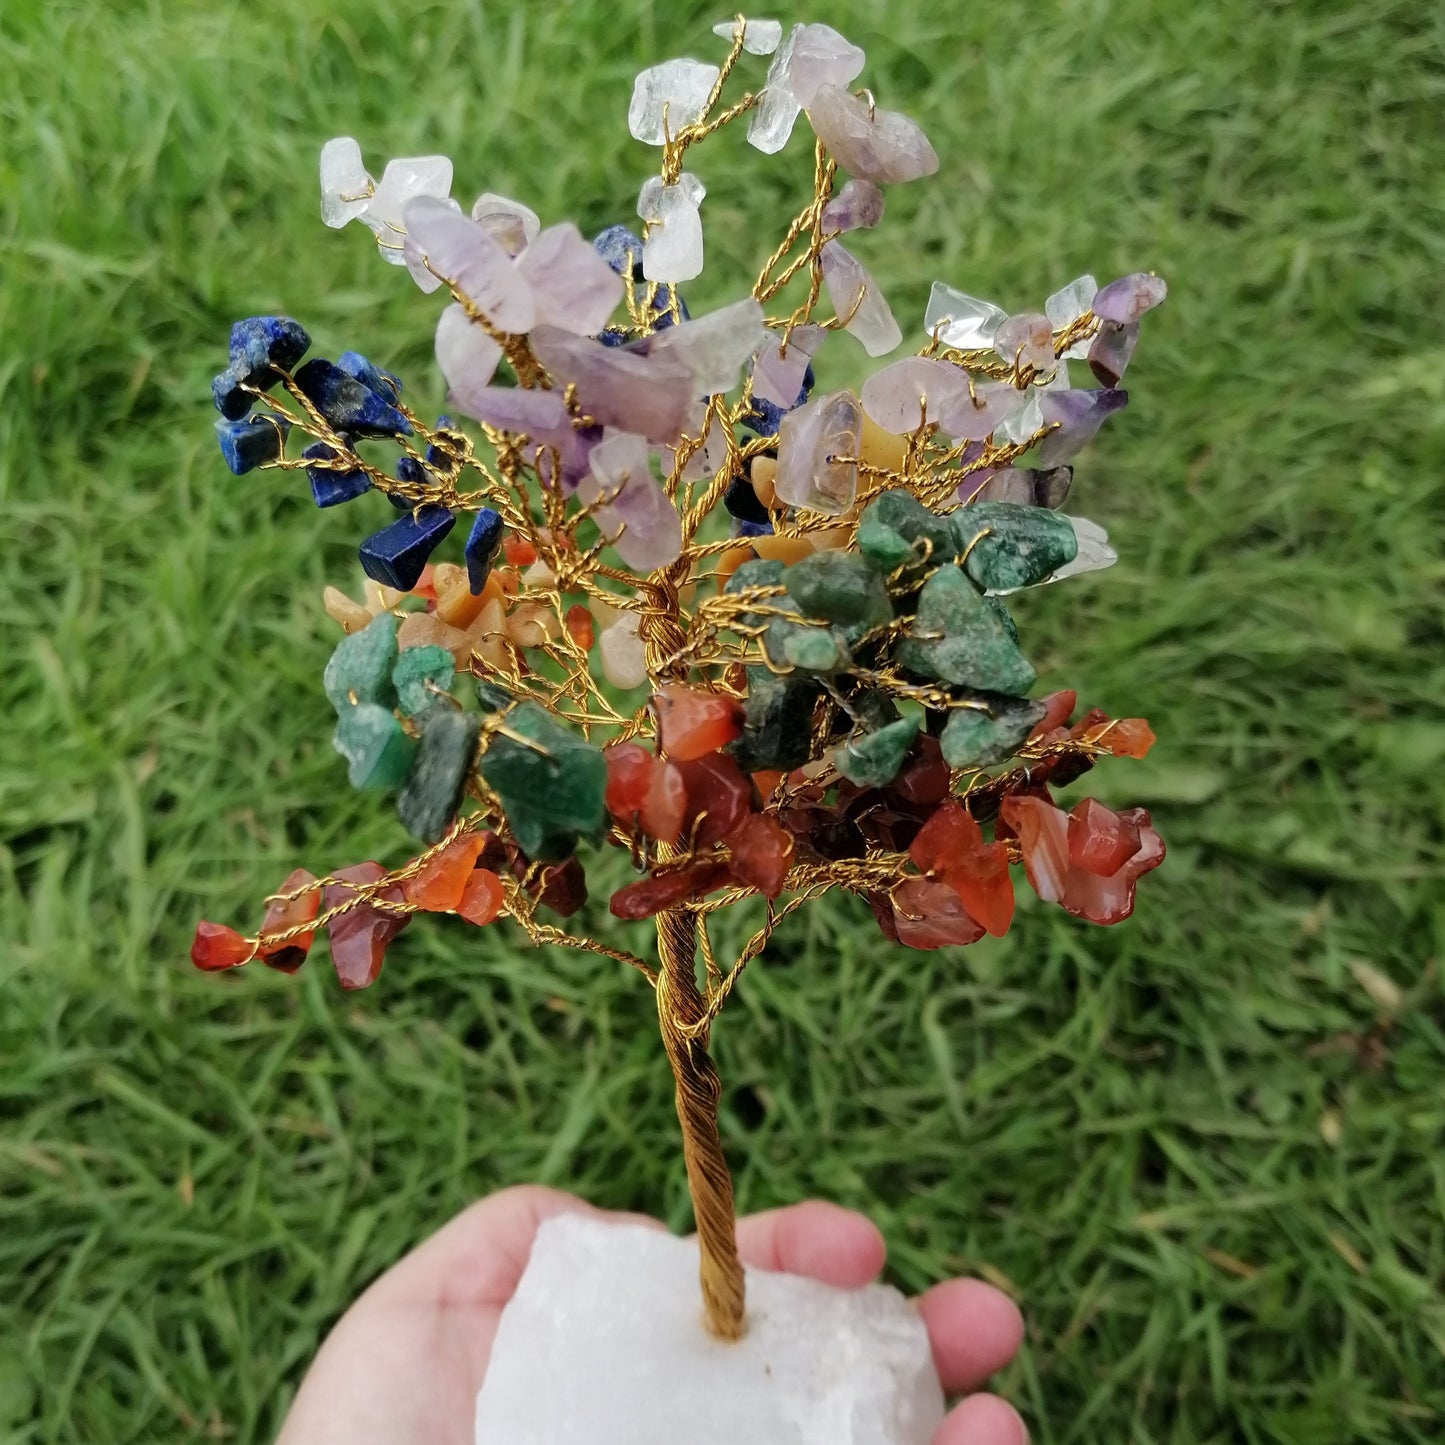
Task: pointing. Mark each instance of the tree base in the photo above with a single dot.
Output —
(604, 1342)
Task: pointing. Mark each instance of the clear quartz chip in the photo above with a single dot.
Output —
(667, 97)
(855, 295)
(760, 37)
(1066, 305)
(346, 186)
(962, 321)
(509, 223)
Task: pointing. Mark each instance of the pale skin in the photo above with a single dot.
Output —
(405, 1362)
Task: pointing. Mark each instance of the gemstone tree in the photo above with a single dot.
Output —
(746, 628)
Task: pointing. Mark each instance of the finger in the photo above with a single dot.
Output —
(819, 1240)
(974, 1328)
(982, 1420)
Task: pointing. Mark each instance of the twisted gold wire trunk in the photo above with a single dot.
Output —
(699, 1090)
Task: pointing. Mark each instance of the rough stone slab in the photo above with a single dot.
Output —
(604, 1343)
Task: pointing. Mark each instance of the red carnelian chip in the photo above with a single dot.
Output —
(286, 913)
(580, 627)
(692, 723)
(216, 947)
(520, 552)
(986, 887)
(766, 782)
(1043, 834)
(1101, 841)
(1111, 900)
(1058, 709)
(438, 885)
(949, 835)
(1130, 737)
(562, 887)
(646, 790)
(762, 853)
(651, 895)
(718, 788)
(482, 896)
(929, 914)
(664, 810)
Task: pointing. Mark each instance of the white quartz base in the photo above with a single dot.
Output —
(603, 1344)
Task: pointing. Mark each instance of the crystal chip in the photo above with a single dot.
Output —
(640, 519)
(467, 356)
(1066, 305)
(858, 206)
(821, 56)
(462, 253)
(509, 223)
(716, 346)
(818, 454)
(776, 111)
(667, 97)
(573, 286)
(760, 37)
(912, 390)
(877, 145)
(855, 294)
(672, 250)
(404, 180)
(346, 186)
(962, 321)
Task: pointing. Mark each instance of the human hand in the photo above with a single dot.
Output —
(404, 1364)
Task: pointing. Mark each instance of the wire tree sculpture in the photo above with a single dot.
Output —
(749, 631)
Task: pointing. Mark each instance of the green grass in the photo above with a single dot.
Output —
(1206, 1159)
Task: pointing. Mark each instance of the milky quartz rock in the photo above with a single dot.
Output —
(848, 280)
(777, 373)
(459, 250)
(898, 396)
(715, 347)
(346, 185)
(818, 453)
(639, 518)
(571, 285)
(619, 387)
(1069, 303)
(858, 206)
(760, 37)
(672, 250)
(880, 146)
(603, 1343)
(960, 320)
(467, 356)
(509, 223)
(674, 92)
(402, 181)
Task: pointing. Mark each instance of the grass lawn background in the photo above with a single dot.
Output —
(1202, 1152)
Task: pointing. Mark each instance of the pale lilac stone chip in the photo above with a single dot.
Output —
(619, 387)
(715, 347)
(821, 56)
(1026, 340)
(976, 417)
(777, 373)
(855, 295)
(637, 514)
(1128, 298)
(457, 249)
(903, 395)
(572, 285)
(858, 206)
(1111, 349)
(1077, 416)
(509, 223)
(818, 454)
(467, 356)
(880, 145)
